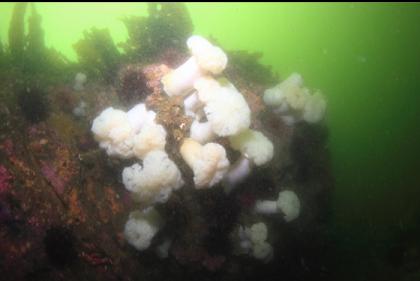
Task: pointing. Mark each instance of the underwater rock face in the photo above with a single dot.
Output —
(209, 215)
(64, 98)
(5, 178)
(49, 173)
(63, 205)
(33, 104)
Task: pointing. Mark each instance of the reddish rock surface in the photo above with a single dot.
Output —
(58, 190)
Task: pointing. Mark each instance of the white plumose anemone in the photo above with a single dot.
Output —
(141, 227)
(155, 181)
(206, 88)
(151, 137)
(191, 105)
(208, 162)
(108, 120)
(206, 58)
(315, 107)
(210, 58)
(287, 203)
(202, 132)
(128, 134)
(114, 133)
(256, 149)
(138, 116)
(225, 107)
(253, 241)
(254, 145)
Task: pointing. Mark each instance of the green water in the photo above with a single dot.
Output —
(364, 57)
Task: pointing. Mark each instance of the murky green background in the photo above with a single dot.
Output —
(365, 58)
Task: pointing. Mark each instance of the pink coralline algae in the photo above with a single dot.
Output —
(5, 178)
(91, 255)
(213, 263)
(50, 174)
(95, 259)
(199, 255)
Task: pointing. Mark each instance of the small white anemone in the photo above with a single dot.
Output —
(208, 162)
(275, 97)
(296, 94)
(290, 92)
(263, 251)
(155, 181)
(254, 145)
(257, 232)
(206, 58)
(294, 102)
(256, 149)
(253, 241)
(141, 227)
(315, 108)
(287, 204)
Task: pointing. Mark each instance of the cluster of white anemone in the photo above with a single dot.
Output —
(218, 110)
(129, 134)
(136, 134)
(253, 240)
(293, 102)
